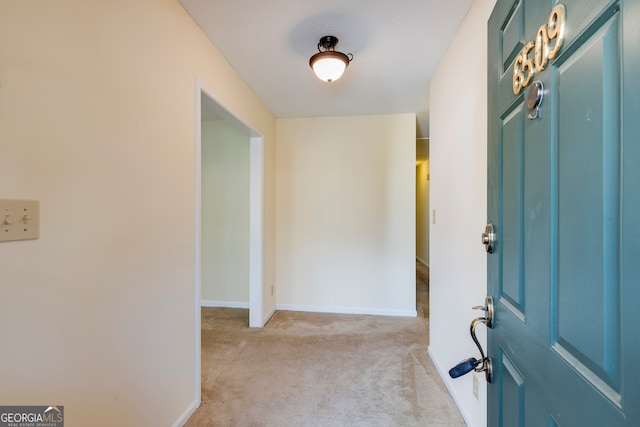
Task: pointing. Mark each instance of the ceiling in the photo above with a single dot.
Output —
(396, 46)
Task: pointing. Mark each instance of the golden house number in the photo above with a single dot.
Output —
(546, 47)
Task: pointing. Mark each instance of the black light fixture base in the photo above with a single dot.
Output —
(328, 43)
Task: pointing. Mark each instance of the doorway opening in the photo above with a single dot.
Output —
(216, 120)
(422, 226)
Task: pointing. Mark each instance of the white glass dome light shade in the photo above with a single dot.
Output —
(329, 65)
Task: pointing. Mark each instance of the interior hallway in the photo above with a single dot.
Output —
(314, 369)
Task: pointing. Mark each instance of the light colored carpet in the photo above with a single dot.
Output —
(311, 369)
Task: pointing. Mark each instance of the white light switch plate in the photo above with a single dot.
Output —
(19, 219)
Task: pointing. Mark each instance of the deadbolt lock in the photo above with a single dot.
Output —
(489, 238)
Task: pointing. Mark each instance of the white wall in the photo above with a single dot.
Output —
(458, 145)
(422, 212)
(346, 214)
(225, 214)
(97, 106)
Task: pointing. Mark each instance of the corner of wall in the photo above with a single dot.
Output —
(458, 192)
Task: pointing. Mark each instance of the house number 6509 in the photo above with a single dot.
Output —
(525, 67)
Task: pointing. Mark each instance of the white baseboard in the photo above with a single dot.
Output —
(227, 304)
(269, 314)
(421, 261)
(182, 420)
(446, 380)
(347, 310)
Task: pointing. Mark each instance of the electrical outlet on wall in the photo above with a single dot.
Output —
(475, 385)
(271, 290)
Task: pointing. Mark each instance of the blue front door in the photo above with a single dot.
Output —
(564, 197)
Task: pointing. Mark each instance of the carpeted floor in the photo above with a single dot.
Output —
(422, 290)
(311, 369)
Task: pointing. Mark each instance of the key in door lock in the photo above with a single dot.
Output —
(484, 363)
(489, 238)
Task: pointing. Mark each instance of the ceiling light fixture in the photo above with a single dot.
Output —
(329, 64)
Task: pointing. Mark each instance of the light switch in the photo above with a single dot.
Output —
(19, 219)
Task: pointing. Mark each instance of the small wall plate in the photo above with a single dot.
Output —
(19, 219)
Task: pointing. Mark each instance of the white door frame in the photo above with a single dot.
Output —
(256, 223)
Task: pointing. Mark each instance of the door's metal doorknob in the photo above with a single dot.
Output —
(489, 238)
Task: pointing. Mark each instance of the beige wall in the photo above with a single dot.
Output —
(346, 214)
(225, 214)
(422, 212)
(457, 154)
(97, 122)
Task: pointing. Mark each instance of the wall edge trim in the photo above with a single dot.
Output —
(447, 382)
(269, 315)
(184, 417)
(227, 304)
(347, 310)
